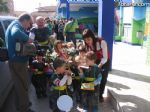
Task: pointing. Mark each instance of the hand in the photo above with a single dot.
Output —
(36, 70)
(30, 41)
(100, 66)
(67, 72)
(65, 76)
(80, 69)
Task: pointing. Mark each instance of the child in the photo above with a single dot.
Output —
(59, 82)
(89, 84)
(71, 49)
(80, 59)
(59, 51)
(39, 69)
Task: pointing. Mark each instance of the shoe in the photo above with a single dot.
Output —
(30, 104)
(79, 105)
(101, 99)
(30, 110)
(39, 96)
(44, 95)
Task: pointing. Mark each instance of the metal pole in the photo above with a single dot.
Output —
(67, 9)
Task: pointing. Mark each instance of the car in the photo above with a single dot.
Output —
(4, 23)
(6, 84)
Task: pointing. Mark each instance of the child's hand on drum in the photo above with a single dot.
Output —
(80, 69)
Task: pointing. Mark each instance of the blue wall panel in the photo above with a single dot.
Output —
(108, 24)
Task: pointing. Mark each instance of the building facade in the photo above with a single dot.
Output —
(10, 6)
(132, 23)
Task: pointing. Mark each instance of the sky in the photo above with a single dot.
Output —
(31, 5)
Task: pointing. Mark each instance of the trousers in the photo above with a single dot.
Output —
(20, 77)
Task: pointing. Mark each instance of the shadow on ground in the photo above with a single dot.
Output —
(131, 103)
(133, 76)
(118, 86)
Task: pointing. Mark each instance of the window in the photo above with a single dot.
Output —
(2, 35)
(6, 23)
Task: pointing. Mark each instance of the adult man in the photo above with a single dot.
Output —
(15, 32)
(41, 32)
(70, 29)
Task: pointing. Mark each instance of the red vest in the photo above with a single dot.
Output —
(99, 52)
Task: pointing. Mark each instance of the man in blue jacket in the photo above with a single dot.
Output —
(16, 31)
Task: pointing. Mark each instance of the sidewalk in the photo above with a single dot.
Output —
(42, 105)
(129, 81)
(130, 59)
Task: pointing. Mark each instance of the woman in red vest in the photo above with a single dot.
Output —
(99, 46)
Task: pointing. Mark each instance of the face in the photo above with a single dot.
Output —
(89, 41)
(82, 53)
(60, 22)
(89, 62)
(59, 46)
(40, 58)
(27, 24)
(40, 22)
(62, 69)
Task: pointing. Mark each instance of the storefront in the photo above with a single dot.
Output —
(131, 23)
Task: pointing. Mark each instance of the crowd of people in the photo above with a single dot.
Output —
(65, 66)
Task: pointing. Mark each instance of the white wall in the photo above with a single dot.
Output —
(127, 14)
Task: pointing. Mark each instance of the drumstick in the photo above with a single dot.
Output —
(85, 67)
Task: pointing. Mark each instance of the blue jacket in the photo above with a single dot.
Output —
(15, 32)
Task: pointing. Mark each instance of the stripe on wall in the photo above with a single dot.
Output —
(100, 10)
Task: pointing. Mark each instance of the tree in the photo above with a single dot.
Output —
(3, 6)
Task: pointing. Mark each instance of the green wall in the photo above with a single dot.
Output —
(137, 25)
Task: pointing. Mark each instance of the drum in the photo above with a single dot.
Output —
(65, 103)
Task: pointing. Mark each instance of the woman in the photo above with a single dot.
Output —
(99, 46)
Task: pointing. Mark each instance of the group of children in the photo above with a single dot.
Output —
(70, 72)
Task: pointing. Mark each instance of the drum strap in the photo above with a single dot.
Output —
(65, 90)
(44, 43)
(89, 79)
